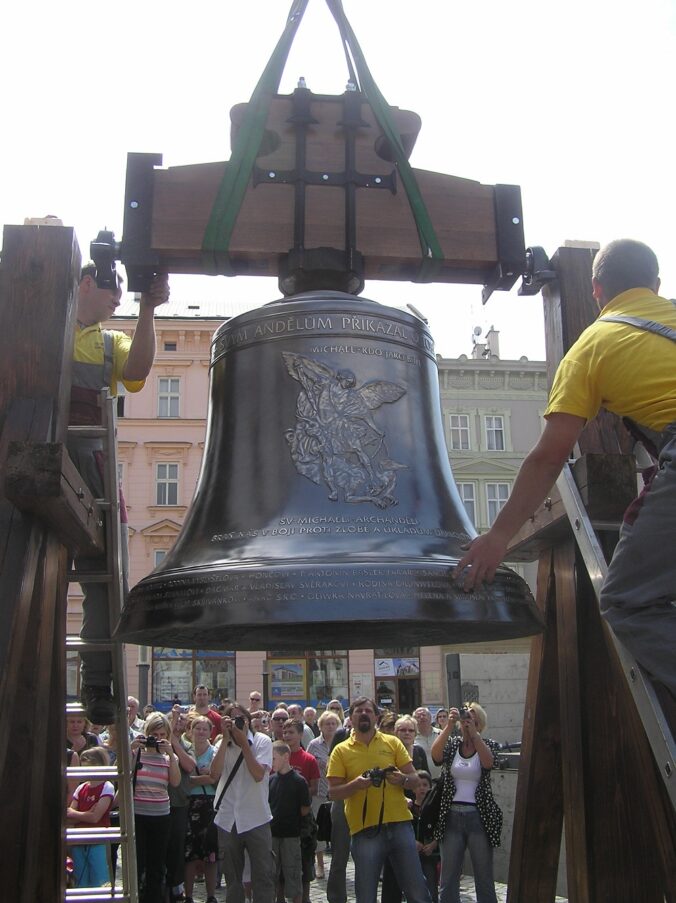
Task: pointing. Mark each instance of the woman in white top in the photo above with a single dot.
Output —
(469, 817)
(320, 747)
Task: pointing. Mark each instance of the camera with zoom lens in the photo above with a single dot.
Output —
(152, 743)
(377, 775)
(240, 722)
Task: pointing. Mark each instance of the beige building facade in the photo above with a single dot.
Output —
(492, 411)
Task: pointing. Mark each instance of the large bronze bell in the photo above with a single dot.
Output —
(325, 515)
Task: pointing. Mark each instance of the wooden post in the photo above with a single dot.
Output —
(620, 827)
(38, 281)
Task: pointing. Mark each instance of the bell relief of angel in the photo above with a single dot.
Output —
(336, 440)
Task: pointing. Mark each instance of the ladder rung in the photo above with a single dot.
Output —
(94, 894)
(75, 644)
(89, 577)
(610, 525)
(95, 835)
(94, 772)
(88, 432)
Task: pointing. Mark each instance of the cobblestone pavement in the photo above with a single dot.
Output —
(318, 888)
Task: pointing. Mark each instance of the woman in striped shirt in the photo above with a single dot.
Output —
(155, 767)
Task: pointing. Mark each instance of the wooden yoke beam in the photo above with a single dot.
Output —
(586, 761)
(38, 283)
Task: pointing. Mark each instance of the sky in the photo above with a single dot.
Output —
(573, 102)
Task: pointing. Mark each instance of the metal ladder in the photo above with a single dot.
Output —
(649, 707)
(121, 771)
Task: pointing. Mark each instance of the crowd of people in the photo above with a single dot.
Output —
(237, 794)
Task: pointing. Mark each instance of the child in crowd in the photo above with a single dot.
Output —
(90, 808)
(289, 801)
(428, 847)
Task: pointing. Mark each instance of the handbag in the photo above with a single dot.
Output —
(324, 823)
(431, 808)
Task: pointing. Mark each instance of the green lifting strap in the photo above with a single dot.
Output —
(432, 255)
(238, 171)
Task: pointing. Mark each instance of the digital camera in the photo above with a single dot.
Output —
(377, 775)
(240, 722)
(152, 743)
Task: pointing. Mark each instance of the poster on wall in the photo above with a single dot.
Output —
(287, 678)
(397, 667)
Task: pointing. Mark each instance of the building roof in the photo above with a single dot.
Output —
(182, 309)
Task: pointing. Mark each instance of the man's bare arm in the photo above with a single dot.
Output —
(536, 477)
(142, 349)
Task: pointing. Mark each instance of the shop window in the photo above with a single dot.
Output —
(176, 672)
(309, 678)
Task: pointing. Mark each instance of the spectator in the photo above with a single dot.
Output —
(405, 728)
(135, 723)
(426, 736)
(260, 721)
(427, 844)
(90, 808)
(306, 765)
(320, 748)
(289, 803)
(441, 719)
(336, 885)
(201, 696)
(255, 701)
(178, 805)
(336, 707)
(296, 712)
(201, 839)
(155, 766)
(242, 766)
(370, 771)
(78, 735)
(469, 817)
(386, 722)
(310, 718)
(277, 722)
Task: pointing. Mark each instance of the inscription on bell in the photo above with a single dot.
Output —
(336, 440)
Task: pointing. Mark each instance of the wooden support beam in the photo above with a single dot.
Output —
(607, 484)
(538, 817)
(38, 282)
(41, 479)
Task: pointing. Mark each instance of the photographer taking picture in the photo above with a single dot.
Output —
(242, 768)
(370, 771)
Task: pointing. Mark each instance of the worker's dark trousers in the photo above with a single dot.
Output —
(638, 599)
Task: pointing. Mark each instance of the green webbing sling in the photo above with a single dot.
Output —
(238, 170)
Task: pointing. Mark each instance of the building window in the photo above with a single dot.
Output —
(159, 556)
(460, 432)
(308, 678)
(177, 671)
(495, 433)
(468, 496)
(170, 346)
(166, 484)
(496, 496)
(168, 396)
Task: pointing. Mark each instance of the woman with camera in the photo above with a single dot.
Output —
(201, 841)
(155, 767)
(469, 817)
